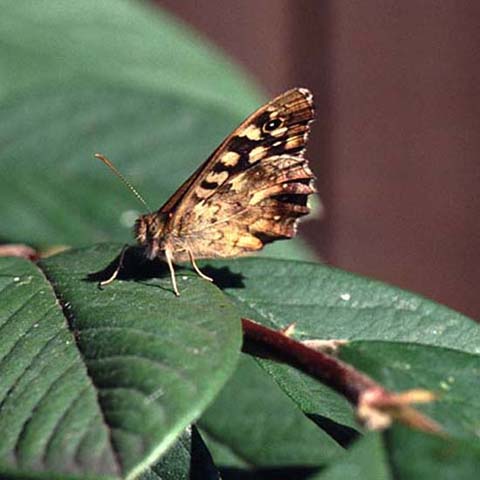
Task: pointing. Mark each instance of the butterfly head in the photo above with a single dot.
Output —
(149, 231)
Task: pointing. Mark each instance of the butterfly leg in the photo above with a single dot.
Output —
(168, 256)
(117, 270)
(195, 267)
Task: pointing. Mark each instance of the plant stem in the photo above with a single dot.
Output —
(376, 406)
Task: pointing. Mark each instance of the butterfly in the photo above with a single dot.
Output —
(251, 191)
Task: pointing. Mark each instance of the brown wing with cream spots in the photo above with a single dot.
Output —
(255, 207)
(279, 127)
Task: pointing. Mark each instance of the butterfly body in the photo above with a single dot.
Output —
(251, 191)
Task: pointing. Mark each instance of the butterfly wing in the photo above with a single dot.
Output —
(259, 206)
(253, 188)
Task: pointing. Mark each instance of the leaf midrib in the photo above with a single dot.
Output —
(68, 316)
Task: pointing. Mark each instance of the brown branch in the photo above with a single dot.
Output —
(375, 405)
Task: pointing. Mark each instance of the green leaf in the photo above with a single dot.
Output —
(187, 458)
(451, 374)
(327, 303)
(409, 454)
(365, 460)
(252, 424)
(114, 77)
(400, 339)
(155, 139)
(403, 454)
(102, 386)
(115, 42)
(416, 456)
(117, 77)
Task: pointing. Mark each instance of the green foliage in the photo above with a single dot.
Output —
(330, 303)
(104, 383)
(402, 340)
(187, 454)
(113, 77)
(287, 437)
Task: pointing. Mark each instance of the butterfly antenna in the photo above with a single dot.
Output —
(114, 169)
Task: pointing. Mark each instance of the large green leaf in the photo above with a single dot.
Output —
(115, 43)
(406, 342)
(326, 302)
(50, 417)
(117, 77)
(102, 383)
(62, 194)
(252, 424)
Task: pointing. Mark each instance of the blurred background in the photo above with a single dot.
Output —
(156, 85)
(396, 147)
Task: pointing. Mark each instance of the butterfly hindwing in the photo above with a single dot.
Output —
(258, 206)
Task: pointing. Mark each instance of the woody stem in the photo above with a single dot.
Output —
(375, 405)
(273, 344)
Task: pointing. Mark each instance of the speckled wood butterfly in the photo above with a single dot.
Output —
(251, 191)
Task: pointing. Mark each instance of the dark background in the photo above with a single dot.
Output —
(396, 147)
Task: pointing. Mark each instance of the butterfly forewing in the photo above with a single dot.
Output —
(249, 143)
(253, 188)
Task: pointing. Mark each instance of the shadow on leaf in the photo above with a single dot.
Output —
(136, 266)
(283, 473)
(223, 277)
(342, 434)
